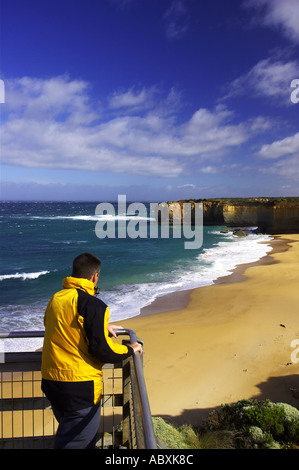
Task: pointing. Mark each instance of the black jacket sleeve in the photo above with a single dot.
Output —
(96, 317)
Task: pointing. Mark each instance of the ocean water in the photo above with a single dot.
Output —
(39, 241)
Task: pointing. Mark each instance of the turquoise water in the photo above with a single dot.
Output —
(39, 241)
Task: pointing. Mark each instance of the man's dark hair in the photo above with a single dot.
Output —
(86, 265)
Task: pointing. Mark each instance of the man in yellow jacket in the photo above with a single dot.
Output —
(76, 344)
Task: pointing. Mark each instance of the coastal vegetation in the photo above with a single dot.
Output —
(247, 424)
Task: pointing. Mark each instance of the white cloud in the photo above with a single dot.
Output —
(131, 98)
(53, 98)
(209, 170)
(143, 100)
(281, 148)
(46, 129)
(176, 20)
(261, 124)
(268, 78)
(287, 168)
(187, 185)
(279, 13)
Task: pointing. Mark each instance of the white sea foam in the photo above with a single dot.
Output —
(23, 276)
(22, 344)
(95, 218)
(22, 318)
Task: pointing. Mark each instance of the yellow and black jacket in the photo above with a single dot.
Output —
(76, 344)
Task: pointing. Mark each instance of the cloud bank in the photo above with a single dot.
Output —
(56, 123)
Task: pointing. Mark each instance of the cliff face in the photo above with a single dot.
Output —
(282, 217)
(270, 215)
(213, 213)
(240, 216)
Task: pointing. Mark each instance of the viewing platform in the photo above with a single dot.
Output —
(26, 417)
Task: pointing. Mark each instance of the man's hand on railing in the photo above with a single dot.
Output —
(111, 329)
(137, 348)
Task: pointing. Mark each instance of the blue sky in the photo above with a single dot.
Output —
(155, 99)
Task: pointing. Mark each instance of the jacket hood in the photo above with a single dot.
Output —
(79, 283)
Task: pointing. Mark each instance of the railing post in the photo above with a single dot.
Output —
(127, 438)
(146, 417)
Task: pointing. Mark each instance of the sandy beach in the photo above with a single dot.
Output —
(225, 342)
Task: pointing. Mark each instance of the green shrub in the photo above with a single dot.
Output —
(246, 424)
(260, 423)
(268, 418)
(291, 421)
(190, 436)
(175, 438)
(217, 440)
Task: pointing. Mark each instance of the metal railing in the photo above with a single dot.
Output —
(26, 417)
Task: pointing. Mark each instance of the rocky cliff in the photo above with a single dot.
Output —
(270, 215)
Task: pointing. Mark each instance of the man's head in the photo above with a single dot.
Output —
(87, 266)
